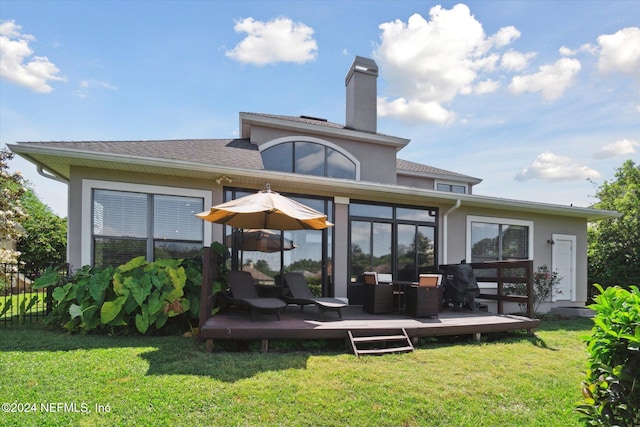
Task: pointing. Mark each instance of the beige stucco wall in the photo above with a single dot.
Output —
(417, 182)
(75, 215)
(377, 161)
(543, 225)
(543, 228)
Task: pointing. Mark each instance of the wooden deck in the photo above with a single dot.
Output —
(307, 324)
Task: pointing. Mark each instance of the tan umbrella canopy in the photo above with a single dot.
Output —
(266, 210)
(260, 240)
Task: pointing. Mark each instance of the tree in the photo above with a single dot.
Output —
(614, 244)
(12, 213)
(44, 243)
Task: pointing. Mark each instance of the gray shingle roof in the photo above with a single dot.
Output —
(419, 168)
(229, 152)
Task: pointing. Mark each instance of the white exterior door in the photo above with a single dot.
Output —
(563, 260)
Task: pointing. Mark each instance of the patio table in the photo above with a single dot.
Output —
(399, 289)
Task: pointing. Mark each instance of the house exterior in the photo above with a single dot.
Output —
(131, 198)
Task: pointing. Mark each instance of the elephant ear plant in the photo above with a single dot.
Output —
(137, 294)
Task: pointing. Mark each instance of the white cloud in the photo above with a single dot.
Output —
(429, 62)
(486, 86)
(279, 40)
(86, 85)
(587, 47)
(515, 61)
(622, 147)
(505, 36)
(553, 167)
(551, 80)
(413, 111)
(17, 63)
(620, 52)
(565, 51)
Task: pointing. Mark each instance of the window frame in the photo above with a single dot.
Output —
(322, 142)
(498, 221)
(451, 184)
(88, 185)
(395, 222)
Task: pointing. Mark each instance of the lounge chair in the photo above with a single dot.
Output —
(300, 294)
(244, 292)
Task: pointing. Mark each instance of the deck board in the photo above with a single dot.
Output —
(307, 324)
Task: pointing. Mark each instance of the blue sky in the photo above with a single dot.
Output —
(537, 98)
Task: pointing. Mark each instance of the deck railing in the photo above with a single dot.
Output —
(502, 273)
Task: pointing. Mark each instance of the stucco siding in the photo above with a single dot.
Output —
(544, 226)
(377, 161)
(79, 222)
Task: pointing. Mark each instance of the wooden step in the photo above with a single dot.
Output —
(402, 343)
(379, 338)
(386, 350)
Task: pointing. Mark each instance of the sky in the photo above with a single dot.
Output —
(539, 99)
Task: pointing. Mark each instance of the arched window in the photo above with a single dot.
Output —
(309, 158)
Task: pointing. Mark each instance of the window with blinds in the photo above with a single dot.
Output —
(127, 225)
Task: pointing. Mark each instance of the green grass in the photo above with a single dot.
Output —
(16, 300)
(506, 380)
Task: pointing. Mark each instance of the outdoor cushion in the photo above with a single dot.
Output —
(244, 292)
(430, 280)
(300, 294)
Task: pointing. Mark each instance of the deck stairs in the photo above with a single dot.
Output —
(391, 341)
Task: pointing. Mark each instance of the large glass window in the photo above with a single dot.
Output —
(304, 251)
(308, 158)
(499, 239)
(128, 224)
(388, 239)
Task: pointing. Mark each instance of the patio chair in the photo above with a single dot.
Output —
(378, 297)
(244, 293)
(425, 299)
(300, 294)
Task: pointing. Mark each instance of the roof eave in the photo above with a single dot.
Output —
(457, 178)
(293, 182)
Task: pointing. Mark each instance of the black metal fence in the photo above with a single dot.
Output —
(19, 302)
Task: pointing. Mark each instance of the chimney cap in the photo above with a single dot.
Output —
(362, 65)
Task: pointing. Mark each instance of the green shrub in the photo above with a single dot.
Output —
(137, 294)
(545, 285)
(612, 386)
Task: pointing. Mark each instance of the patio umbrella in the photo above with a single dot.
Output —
(266, 210)
(260, 240)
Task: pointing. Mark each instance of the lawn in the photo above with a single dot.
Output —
(24, 303)
(506, 380)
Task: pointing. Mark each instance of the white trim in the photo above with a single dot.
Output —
(89, 184)
(305, 138)
(573, 240)
(496, 220)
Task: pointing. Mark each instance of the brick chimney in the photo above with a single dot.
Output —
(362, 92)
